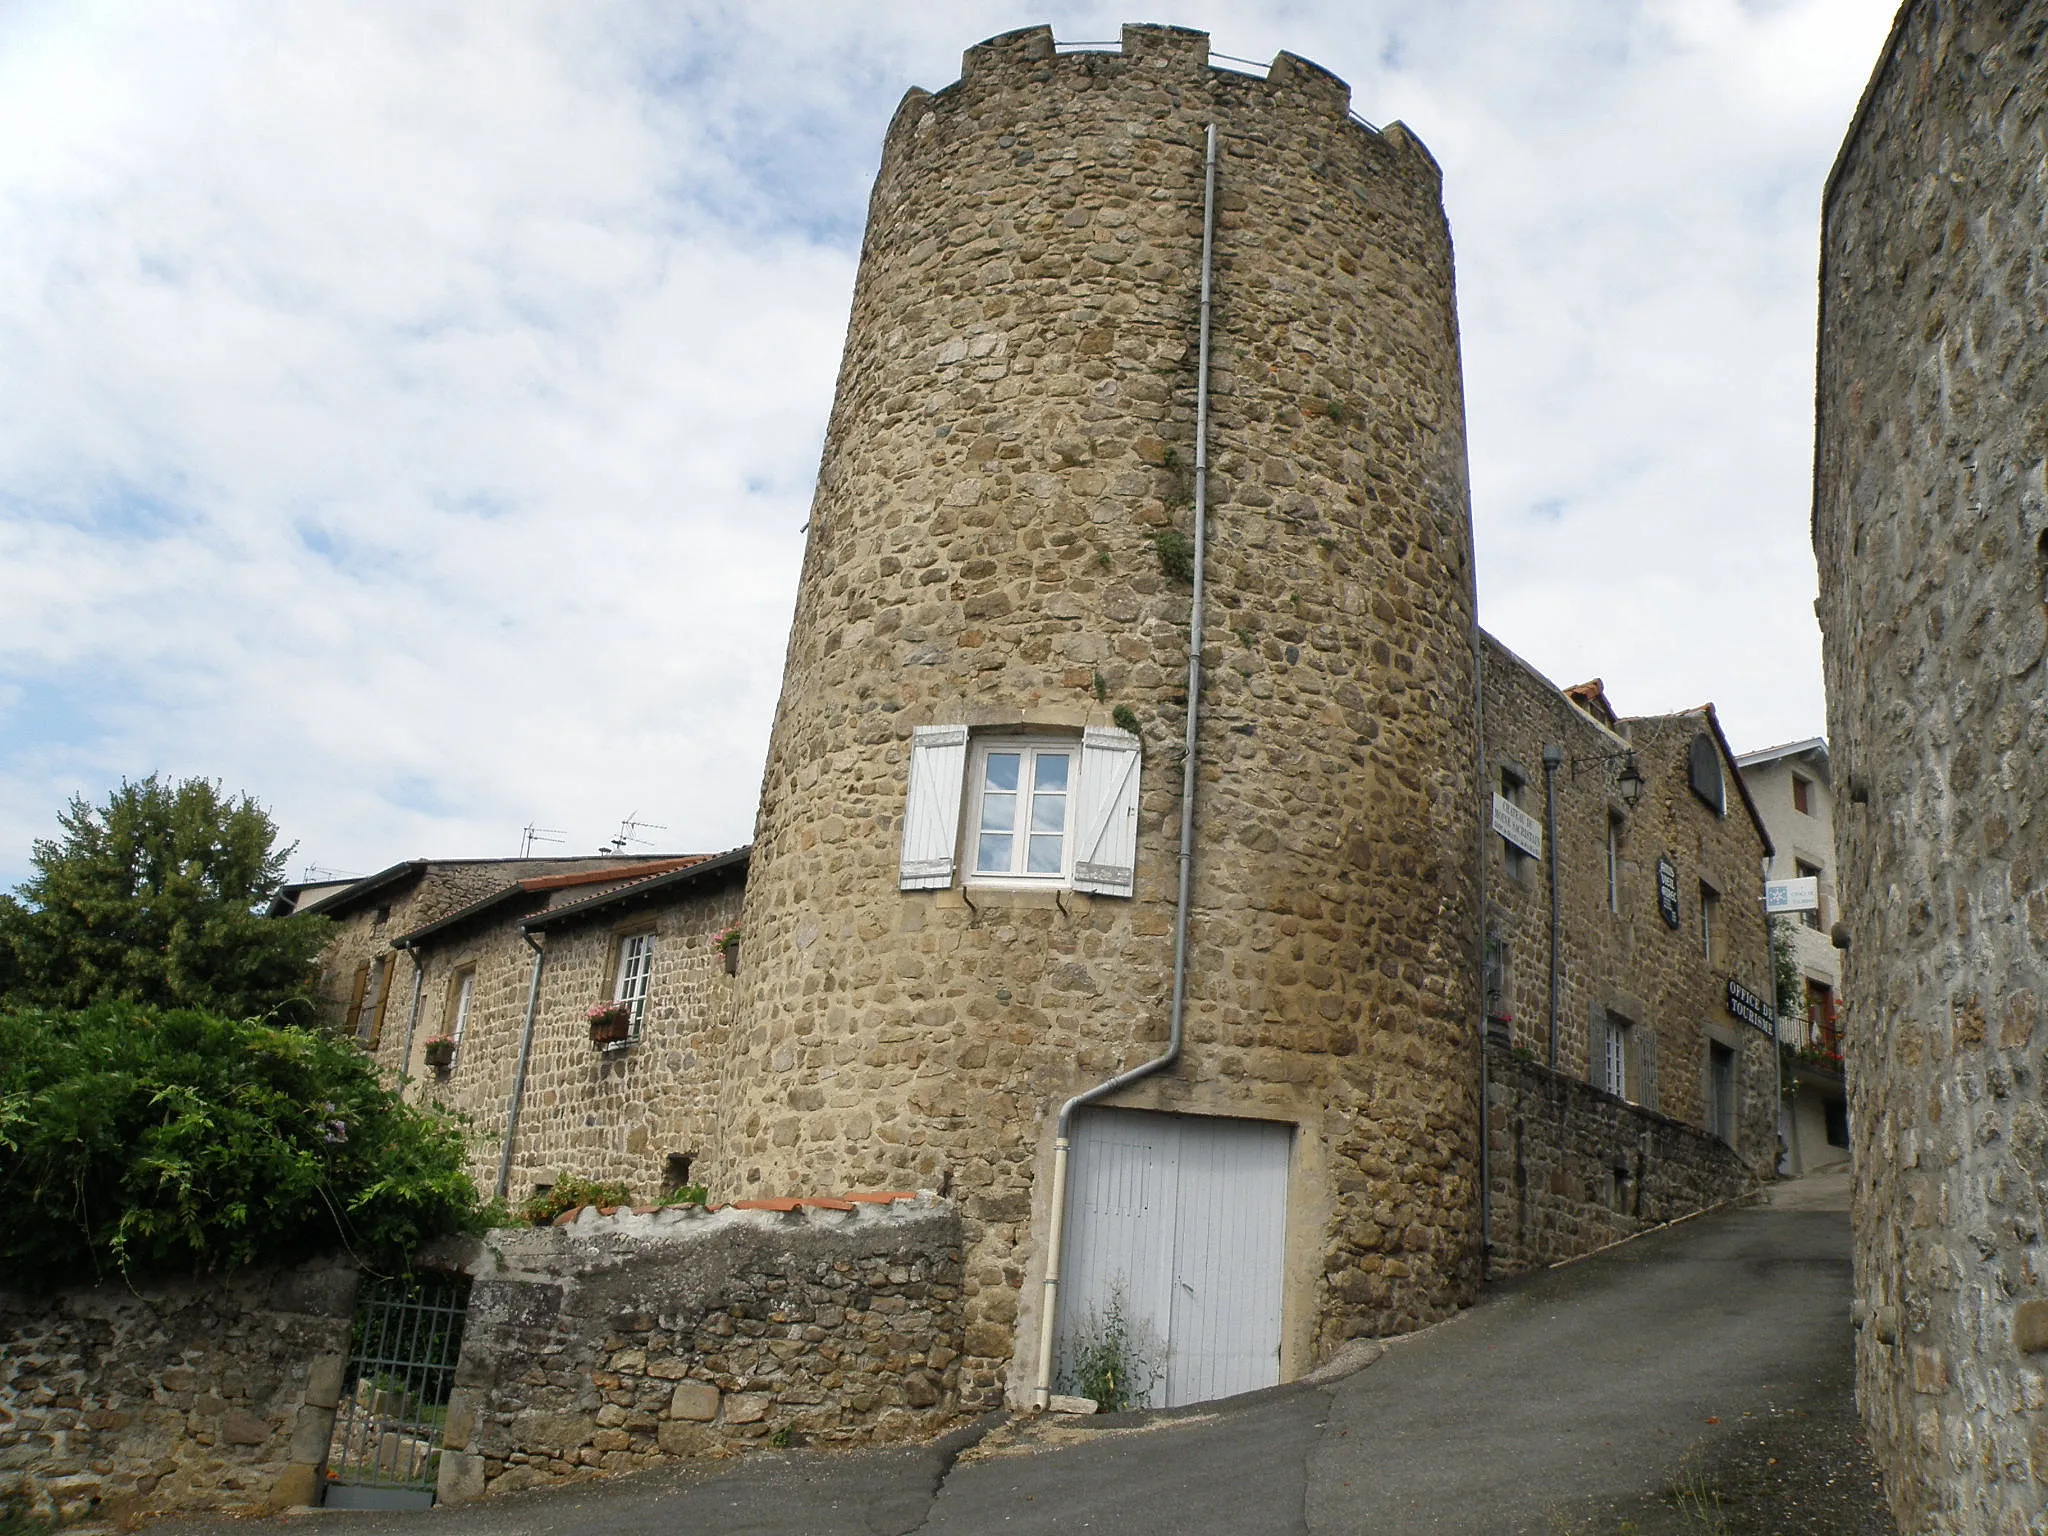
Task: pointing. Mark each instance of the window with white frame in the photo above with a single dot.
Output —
(1043, 809)
(1022, 800)
(636, 963)
(458, 1007)
(1615, 1068)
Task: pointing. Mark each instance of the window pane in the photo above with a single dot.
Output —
(998, 813)
(1052, 772)
(1048, 813)
(1045, 853)
(992, 854)
(1002, 770)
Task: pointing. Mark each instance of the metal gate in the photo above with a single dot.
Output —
(386, 1449)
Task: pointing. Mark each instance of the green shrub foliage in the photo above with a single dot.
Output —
(151, 898)
(146, 1142)
(545, 1205)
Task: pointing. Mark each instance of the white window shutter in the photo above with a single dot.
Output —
(931, 818)
(1106, 813)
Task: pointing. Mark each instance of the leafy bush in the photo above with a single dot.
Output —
(688, 1194)
(545, 1205)
(150, 1142)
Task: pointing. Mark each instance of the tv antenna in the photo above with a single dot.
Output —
(629, 834)
(320, 872)
(529, 835)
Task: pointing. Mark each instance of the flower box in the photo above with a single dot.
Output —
(610, 1023)
(441, 1053)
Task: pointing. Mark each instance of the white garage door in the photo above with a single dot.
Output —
(1184, 1217)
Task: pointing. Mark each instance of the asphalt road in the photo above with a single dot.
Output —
(1696, 1380)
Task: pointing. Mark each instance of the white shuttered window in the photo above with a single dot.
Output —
(636, 964)
(931, 819)
(1037, 810)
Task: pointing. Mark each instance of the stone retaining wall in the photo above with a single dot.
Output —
(115, 1403)
(1574, 1168)
(614, 1341)
(601, 1345)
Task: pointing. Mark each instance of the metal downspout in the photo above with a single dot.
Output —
(1049, 1306)
(412, 1019)
(1553, 759)
(540, 957)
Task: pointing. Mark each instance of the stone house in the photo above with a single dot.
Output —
(1626, 954)
(1793, 788)
(508, 981)
(359, 984)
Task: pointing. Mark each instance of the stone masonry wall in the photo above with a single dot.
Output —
(615, 1341)
(588, 1113)
(479, 1084)
(1013, 426)
(116, 1403)
(619, 1114)
(1629, 963)
(1573, 1168)
(1931, 534)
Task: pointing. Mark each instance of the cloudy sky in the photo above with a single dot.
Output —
(408, 411)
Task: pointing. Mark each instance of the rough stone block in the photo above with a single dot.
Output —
(298, 1486)
(461, 1424)
(311, 1430)
(323, 1380)
(555, 1433)
(461, 1479)
(694, 1400)
(747, 1407)
(239, 1428)
(2030, 1326)
(680, 1438)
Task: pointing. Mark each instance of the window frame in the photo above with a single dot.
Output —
(1812, 918)
(1802, 794)
(1030, 748)
(641, 941)
(1614, 1071)
(461, 998)
(1614, 834)
(1724, 1090)
(1710, 938)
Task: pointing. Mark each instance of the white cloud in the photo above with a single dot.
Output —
(411, 408)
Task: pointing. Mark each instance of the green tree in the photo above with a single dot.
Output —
(1787, 981)
(152, 898)
(141, 1141)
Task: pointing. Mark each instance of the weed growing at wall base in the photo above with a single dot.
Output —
(1108, 1362)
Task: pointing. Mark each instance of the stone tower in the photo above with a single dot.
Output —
(997, 556)
(1930, 528)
